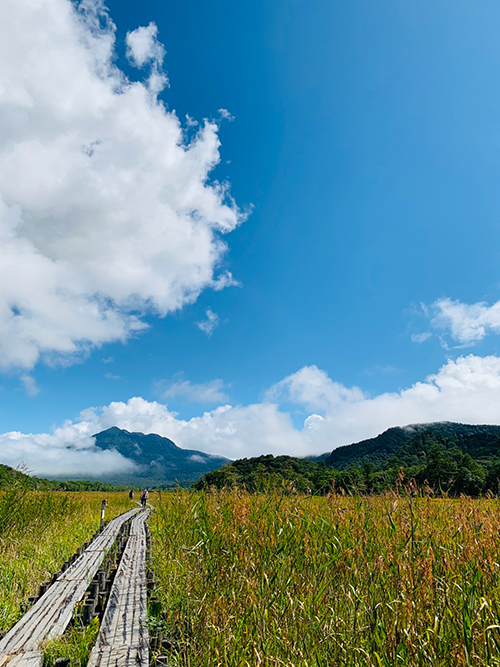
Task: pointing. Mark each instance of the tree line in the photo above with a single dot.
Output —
(443, 471)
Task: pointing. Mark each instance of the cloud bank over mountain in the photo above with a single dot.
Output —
(463, 390)
(107, 212)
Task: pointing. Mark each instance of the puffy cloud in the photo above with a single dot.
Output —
(465, 323)
(312, 388)
(106, 209)
(143, 46)
(465, 390)
(203, 392)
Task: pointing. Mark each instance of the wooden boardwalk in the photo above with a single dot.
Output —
(50, 615)
(123, 639)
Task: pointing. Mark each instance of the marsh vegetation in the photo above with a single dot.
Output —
(307, 581)
(296, 580)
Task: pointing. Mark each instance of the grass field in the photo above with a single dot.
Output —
(38, 532)
(308, 581)
(288, 580)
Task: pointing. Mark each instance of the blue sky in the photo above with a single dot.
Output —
(364, 161)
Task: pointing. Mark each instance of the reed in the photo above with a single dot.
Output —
(306, 581)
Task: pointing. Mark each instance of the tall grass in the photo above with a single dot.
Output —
(76, 644)
(305, 581)
(38, 532)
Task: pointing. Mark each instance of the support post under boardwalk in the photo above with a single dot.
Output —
(123, 639)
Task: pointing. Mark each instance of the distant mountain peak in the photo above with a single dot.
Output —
(158, 459)
(114, 429)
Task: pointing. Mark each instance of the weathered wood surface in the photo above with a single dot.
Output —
(50, 615)
(123, 639)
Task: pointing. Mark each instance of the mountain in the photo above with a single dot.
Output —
(408, 445)
(159, 460)
(446, 457)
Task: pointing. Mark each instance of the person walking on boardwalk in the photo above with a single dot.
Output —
(144, 498)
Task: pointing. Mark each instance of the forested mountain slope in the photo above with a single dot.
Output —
(407, 445)
(442, 457)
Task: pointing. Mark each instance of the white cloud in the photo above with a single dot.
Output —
(30, 385)
(191, 122)
(421, 337)
(232, 431)
(197, 458)
(312, 388)
(203, 392)
(465, 323)
(226, 115)
(67, 452)
(105, 212)
(143, 46)
(224, 280)
(464, 390)
(210, 324)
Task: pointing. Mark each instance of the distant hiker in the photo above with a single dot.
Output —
(131, 495)
(144, 498)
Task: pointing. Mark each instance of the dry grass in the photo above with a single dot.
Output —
(304, 581)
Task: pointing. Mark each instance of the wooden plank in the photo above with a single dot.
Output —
(123, 639)
(51, 614)
(31, 659)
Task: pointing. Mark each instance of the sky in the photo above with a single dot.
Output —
(266, 227)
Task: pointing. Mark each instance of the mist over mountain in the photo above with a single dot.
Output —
(158, 460)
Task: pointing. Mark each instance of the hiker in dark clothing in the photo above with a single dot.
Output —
(144, 498)
(131, 495)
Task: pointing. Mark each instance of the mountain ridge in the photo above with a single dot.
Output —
(442, 456)
(159, 461)
(481, 441)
